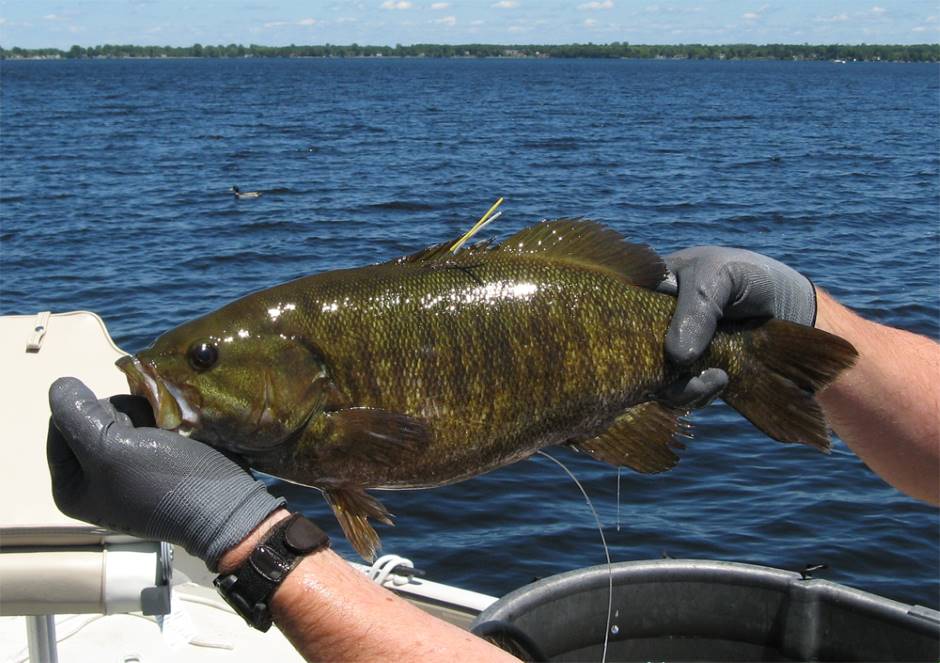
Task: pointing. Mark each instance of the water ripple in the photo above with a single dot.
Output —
(115, 198)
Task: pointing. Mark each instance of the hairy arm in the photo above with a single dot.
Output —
(330, 611)
(887, 407)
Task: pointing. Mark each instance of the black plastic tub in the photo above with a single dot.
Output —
(688, 610)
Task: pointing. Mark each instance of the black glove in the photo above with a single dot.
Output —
(145, 481)
(714, 282)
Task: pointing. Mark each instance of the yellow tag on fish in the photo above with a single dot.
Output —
(478, 226)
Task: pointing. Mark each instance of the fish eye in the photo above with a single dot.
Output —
(203, 355)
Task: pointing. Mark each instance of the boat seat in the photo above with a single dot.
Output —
(50, 563)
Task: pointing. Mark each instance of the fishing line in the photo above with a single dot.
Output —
(619, 470)
(600, 529)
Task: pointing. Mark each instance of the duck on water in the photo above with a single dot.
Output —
(244, 194)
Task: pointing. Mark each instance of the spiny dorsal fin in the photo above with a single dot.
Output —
(442, 253)
(642, 438)
(590, 244)
(353, 507)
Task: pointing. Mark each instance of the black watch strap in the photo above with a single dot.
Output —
(249, 588)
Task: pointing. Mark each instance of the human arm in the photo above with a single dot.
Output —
(886, 408)
(156, 484)
(331, 611)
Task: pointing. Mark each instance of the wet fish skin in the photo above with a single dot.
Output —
(454, 356)
(436, 367)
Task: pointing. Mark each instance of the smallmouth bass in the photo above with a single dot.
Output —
(440, 366)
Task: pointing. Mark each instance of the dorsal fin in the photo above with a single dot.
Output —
(588, 243)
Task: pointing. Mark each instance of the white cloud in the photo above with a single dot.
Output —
(929, 19)
(447, 20)
(590, 6)
(506, 4)
(477, 22)
(756, 14)
(53, 17)
(877, 10)
(440, 5)
(401, 4)
(3, 20)
(590, 23)
(834, 19)
(306, 22)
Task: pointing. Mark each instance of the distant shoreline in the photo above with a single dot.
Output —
(615, 50)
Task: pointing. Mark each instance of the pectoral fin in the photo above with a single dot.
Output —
(353, 507)
(642, 438)
(378, 436)
(365, 436)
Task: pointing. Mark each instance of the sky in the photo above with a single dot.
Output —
(60, 24)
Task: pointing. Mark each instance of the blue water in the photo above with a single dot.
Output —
(114, 199)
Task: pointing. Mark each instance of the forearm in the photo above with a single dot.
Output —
(331, 611)
(887, 407)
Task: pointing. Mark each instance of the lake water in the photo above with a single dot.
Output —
(114, 198)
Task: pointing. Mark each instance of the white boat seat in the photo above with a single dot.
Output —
(50, 563)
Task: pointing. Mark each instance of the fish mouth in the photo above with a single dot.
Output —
(170, 408)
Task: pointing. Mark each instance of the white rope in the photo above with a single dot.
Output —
(385, 566)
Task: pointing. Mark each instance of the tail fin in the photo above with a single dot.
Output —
(774, 384)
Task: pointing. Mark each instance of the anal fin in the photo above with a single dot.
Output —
(353, 507)
(642, 438)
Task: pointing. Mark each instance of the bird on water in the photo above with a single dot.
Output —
(244, 194)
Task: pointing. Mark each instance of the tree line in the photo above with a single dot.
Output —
(864, 52)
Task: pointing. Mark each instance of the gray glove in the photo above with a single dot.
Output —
(714, 282)
(145, 481)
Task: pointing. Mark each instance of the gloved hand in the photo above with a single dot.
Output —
(714, 282)
(145, 481)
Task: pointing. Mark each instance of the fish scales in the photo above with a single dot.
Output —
(438, 367)
(437, 344)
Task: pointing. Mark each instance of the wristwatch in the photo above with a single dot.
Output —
(249, 588)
